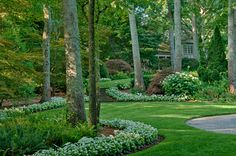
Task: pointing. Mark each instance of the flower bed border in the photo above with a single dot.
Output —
(131, 137)
(123, 97)
(54, 103)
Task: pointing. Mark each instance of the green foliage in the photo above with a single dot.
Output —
(216, 61)
(133, 136)
(215, 91)
(103, 71)
(120, 75)
(20, 136)
(181, 84)
(146, 78)
(189, 64)
(164, 63)
(124, 86)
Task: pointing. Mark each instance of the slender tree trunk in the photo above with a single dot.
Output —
(46, 53)
(138, 80)
(74, 82)
(195, 38)
(93, 93)
(171, 36)
(232, 46)
(178, 46)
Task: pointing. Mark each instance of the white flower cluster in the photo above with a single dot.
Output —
(122, 96)
(56, 102)
(132, 136)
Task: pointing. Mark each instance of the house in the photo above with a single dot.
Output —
(187, 50)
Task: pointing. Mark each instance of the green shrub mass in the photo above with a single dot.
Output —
(181, 84)
(132, 136)
(27, 134)
(122, 96)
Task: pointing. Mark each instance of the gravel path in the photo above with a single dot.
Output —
(220, 124)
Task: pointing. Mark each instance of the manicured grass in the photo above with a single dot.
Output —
(169, 118)
(114, 83)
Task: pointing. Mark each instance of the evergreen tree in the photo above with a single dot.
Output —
(216, 62)
(216, 56)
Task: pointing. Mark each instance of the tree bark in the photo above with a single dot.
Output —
(46, 94)
(171, 36)
(138, 80)
(178, 46)
(74, 82)
(232, 46)
(93, 93)
(195, 38)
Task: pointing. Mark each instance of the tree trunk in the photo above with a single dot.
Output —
(93, 93)
(232, 46)
(46, 95)
(74, 82)
(138, 80)
(178, 46)
(171, 36)
(195, 38)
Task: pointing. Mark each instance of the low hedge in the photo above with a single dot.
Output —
(132, 136)
(122, 96)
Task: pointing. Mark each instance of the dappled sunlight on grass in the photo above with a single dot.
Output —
(172, 116)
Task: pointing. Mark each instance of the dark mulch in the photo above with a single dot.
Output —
(107, 131)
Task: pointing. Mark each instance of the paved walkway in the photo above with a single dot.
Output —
(220, 124)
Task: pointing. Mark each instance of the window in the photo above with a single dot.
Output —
(188, 50)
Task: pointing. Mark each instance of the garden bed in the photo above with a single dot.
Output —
(132, 137)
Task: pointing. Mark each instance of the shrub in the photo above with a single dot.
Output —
(133, 136)
(117, 65)
(218, 90)
(23, 136)
(181, 84)
(103, 71)
(155, 87)
(123, 86)
(26, 90)
(120, 75)
(190, 64)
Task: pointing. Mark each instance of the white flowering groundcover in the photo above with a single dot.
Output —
(131, 137)
(56, 102)
(122, 96)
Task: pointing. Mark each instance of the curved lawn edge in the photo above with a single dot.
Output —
(131, 137)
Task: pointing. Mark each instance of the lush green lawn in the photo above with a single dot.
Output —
(170, 118)
(114, 83)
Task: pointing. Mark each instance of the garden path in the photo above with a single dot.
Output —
(220, 124)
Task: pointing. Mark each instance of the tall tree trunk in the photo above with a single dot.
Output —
(171, 36)
(138, 80)
(93, 92)
(74, 82)
(178, 46)
(232, 46)
(46, 95)
(195, 38)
